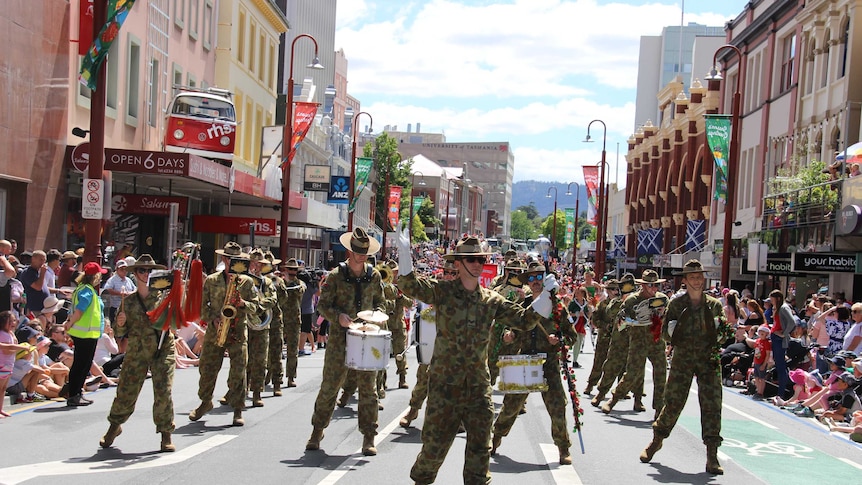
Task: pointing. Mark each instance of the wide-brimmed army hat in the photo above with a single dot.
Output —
(271, 258)
(257, 255)
(691, 266)
(522, 278)
(467, 246)
(516, 264)
(612, 284)
(232, 250)
(145, 261)
(290, 264)
(649, 276)
(627, 284)
(359, 242)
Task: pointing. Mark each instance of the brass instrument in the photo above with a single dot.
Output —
(265, 317)
(385, 271)
(228, 309)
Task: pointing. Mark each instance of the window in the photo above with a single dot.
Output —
(208, 24)
(180, 13)
(251, 50)
(239, 101)
(133, 80)
(177, 78)
(153, 98)
(272, 65)
(240, 51)
(84, 93)
(194, 18)
(249, 129)
(193, 83)
(112, 70)
(788, 59)
(843, 70)
(824, 56)
(809, 71)
(261, 58)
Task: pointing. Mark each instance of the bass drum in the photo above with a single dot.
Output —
(426, 333)
(368, 349)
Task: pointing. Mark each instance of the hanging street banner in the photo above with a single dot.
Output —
(394, 210)
(303, 116)
(718, 137)
(417, 203)
(591, 180)
(118, 10)
(570, 226)
(363, 169)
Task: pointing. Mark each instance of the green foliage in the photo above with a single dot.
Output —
(548, 229)
(418, 234)
(427, 213)
(522, 226)
(530, 210)
(387, 161)
(807, 187)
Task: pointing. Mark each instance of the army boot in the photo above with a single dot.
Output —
(197, 413)
(597, 401)
(495, 443)
(237, 418)
(223, 400)
(565, 456)
(639, 405)
(114, 430)
(402, 382)
(712, 464)
(167, 445)
(651, 449)
(412, 414)
(588, 390)
(608, 406)
(276, 388)
(256, 401)
(342, 401)
(314, 441)
(368, 448)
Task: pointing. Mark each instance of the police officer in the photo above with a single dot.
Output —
(459, 386)
(695, 326)
(144, 354)
(351, 287)
(244, 298)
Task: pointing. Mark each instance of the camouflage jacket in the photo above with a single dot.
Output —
(697, 330)
(343, 292)
(277, 284)
(268, 299)
(511, 293)
(137, 322)
(289, 300)
(463, 326)
(213, 300)
(396, 302)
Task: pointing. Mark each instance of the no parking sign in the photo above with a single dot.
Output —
(93, 199)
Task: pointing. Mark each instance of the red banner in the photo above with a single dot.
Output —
(591, 180)
(234, 225)
(85, 26)
(489, 272)
(303, 116)
(394, 211)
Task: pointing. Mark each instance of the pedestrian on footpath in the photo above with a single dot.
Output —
(144, 354)
(695, 326)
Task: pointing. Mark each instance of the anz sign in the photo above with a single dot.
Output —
(339, 189)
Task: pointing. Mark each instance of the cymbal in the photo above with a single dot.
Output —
(364, 327)
(373, 316)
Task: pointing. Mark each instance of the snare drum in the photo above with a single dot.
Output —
(521, 374)
(426, 333)
(368, 349)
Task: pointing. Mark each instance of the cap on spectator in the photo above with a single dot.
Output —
(92, 268)
(797, 376)
(68, 255)
(130, 260)
(27, 254)
(25, 333)
(42, 341)
(847, 354)
(121, 264)
(725, 291)
(763, 328)
(848, 378)
(837, 360)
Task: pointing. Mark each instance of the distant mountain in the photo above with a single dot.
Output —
(527, 191)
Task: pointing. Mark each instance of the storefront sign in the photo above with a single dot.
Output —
(848, 220)
(148, 204)
(316, 178)
(824, 263)
(339, 187)
(143, 161)
(248, 184)
(234, 225)
(208, 171)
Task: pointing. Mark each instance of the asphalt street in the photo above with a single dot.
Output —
(44, 442)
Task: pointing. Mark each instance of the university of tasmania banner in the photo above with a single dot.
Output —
(118, 10)
(363, 168)
(591, 180)
(718, 137)
(570, 226)
(394, 210)
(303, 116)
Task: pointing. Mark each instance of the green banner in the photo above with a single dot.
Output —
(118, 10)
(417, 203)
(570, 227)
(718, 137)
(363, 169)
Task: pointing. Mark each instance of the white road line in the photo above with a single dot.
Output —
(560, 473)
(22, 473)
(850, 462)
(349, 464)
(742, 413)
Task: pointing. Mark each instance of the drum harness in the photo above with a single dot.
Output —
(357, 282)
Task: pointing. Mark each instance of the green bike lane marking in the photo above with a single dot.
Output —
(773, 456)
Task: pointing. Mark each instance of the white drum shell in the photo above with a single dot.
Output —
(368, 350)
(426, 333)
(521, 374)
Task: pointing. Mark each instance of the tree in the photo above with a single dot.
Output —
(530, 210)
(522, 226)
(548, 228)
(387, 160)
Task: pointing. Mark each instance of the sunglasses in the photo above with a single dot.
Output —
(535, 277)
(473, 259)
(143, 270)
(450, 273)
(652, 285)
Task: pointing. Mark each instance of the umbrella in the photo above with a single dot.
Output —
(853, 152)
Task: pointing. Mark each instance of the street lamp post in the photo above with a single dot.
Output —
(412, 185)
(352, 188)
(554, 233)
(575, 235)
(448, 207)
(287, 145)
(732, 164)
(601, 209)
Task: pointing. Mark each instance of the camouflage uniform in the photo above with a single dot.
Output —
(603, 325)
(142, 355)
(618, 352)
(694, 342)
(212, 354)
(497, 347)
(459, 385)
(533, 342)
(258, 340)
(274, 366)
(337, 296)
(641, 348)
(289, 303)
(396, 302)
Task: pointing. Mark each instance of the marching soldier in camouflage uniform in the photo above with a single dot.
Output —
(143, 354)
(425, 312)
(618, 351)
(459, 386)
(603, 324)
(396, 303)
(517, 293)
(643, 310)
(351, 287)
(502, 278)
(258, 334)
(695, 326)
(245, 300)
(545, 338)
(274, 367)
(289, 302)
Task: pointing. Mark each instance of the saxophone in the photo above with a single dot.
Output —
(228, 310)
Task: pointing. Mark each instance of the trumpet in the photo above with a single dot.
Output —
(385, 271)
(228, 310)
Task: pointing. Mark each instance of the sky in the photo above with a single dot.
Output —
(530, 72)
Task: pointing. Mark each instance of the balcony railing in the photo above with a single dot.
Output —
(802, 219)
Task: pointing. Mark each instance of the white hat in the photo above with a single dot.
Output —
(51, 304)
